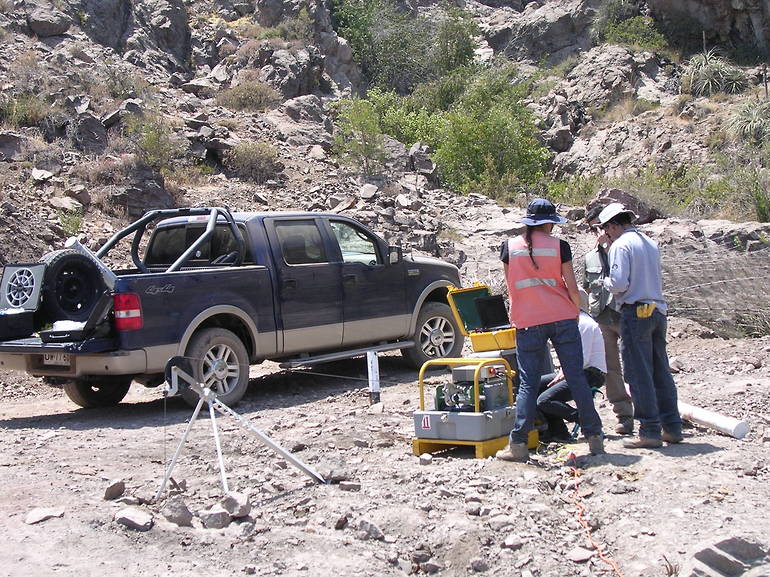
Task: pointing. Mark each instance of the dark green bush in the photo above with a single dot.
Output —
(154, 141)
(638, 32)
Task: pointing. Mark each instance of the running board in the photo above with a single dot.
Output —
(302, 361)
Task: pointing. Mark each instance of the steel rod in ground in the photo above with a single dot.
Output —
(179, 449)
(308, 470)
(373, 367)
(222, 473)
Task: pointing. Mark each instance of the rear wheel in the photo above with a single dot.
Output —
(219, 361)
(437, 335)
(98, 391)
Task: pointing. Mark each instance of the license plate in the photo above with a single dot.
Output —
(57, 359)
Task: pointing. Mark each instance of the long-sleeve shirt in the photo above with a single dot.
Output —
(635, 274)
(593, 343)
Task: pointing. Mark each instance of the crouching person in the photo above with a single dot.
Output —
(555, 394)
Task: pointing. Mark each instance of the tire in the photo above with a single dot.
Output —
(98, 391)
(222, 351)
(72, 285)
(437, 335)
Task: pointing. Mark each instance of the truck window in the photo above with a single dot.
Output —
(356, 244)
(300, 242)
(169, 243)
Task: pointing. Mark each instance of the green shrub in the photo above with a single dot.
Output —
(478, 148)
(154, 141)
(359, 139)
(751, 121)
(249, 95)
(255, 161)
(708, 73)
(454, 46)
(393, 48)
(26, 110)
(299, 27)
(638, 32)
(71, 221)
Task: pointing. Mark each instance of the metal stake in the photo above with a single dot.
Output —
(373, 366)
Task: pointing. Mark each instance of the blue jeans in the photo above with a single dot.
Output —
(531, 344)
(646, 370)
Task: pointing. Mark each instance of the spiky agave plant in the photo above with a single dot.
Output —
(709, 72)
(751, 121)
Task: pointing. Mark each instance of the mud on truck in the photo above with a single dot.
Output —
(224, 290)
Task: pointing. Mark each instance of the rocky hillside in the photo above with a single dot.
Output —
(111, 107)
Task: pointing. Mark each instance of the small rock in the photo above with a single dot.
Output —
(175, 511)
(134, 518)
(473, 508)
(675, 365)
(115, 489)
(580, 555)
(40, 514)
(766, 436)
(368, 191)
(40, 175)
(479, 565)
(342, 522)
(426, 459)
(350, 486)
(431, 567)
(371, 530)
(513, 542)
(237, 504)
(376, 409)
(297, 447)
(215, 518)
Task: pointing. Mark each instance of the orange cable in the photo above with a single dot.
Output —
(599, 547)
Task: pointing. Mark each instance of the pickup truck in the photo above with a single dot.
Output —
(224, 290)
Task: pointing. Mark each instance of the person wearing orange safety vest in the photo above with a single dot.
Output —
(544, 306)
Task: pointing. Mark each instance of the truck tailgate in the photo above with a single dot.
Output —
(33, 345)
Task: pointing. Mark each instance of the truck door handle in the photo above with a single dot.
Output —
(349, 279)
(290, 283)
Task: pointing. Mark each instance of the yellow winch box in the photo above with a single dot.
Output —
(482, 317)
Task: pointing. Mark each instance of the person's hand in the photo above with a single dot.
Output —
(603, 240)
(558, 378)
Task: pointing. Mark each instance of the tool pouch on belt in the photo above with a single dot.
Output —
(645, 310)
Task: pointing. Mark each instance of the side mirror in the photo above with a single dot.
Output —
(394, 254)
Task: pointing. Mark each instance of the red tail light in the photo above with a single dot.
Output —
(128, 311)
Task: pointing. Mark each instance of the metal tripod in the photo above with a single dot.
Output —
(210, 397)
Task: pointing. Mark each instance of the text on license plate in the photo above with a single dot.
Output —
(58, 359)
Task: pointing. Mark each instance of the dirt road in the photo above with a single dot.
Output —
(391, 515)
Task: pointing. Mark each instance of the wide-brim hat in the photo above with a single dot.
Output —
(541, 211)
(612, 210)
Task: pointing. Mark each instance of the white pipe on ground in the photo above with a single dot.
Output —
(712, 420)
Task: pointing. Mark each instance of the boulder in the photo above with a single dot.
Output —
(236, 504)
(133, 518)
(90, 134)
(294, 72)
(44, 20)
(644, 212)
(11, 145)
(175, 511)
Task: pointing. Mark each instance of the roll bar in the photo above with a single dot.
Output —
(139, 227)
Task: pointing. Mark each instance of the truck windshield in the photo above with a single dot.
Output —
(169, 243)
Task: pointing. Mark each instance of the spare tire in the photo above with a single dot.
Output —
(72, 284)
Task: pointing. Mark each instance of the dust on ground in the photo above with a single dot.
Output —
(390, 515)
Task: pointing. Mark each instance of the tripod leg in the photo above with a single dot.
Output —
(221, 460)
(179, 449)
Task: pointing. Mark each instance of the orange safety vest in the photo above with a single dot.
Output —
(537, 295)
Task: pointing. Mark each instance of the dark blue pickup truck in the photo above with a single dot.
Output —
(225, 290)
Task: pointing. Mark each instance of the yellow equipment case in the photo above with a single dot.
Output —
(482, 317)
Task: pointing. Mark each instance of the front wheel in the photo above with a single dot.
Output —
(436, 336)
(219, 361)
(98, 391)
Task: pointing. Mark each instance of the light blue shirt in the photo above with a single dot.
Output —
(635, 273)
